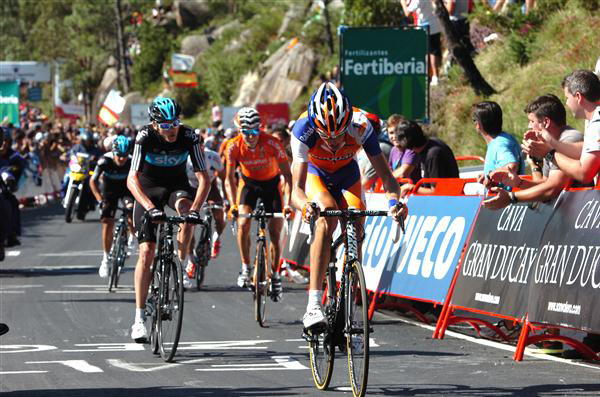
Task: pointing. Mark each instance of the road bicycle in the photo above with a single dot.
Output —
(165, 296)
(203, 246)
(118, 250)
(261, 286)
(345, 307)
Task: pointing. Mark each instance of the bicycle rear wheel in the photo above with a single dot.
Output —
(170, 308)
(357, 332)
(202, 253)
(113, 259)
(260, 283)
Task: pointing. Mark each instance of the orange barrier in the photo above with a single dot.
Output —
(467, 158)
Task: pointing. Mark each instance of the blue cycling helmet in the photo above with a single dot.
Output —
(120, 146)
(163, 109)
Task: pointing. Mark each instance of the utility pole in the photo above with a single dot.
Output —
(122, 60)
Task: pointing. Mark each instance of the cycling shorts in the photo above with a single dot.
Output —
(343, 184)
(249, 191)
(110, 201)
(168, 192)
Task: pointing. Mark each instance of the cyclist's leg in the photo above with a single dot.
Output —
(214, 197)
(354, 197)
(186, 231)
(107, 218)
(246, 201)
(128, 203)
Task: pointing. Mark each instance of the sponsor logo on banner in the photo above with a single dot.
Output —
(422, 263)
(565, 277)
(498, 262)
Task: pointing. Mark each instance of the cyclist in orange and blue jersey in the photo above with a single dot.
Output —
(325, 140)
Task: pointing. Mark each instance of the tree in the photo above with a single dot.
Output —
(328, 35)
(460, 52)
(374, 13)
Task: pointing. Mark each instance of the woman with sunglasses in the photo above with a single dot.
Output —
(157, 177)
(262, 162)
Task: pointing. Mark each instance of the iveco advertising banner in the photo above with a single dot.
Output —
(384, 70)
(421, 265)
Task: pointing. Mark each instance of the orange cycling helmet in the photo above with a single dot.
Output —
(329, 111)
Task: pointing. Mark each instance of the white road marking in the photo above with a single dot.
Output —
(490, 343)
(13, 253)
(75, 253)
(22, 372)
(11, 292)
(78, 365)
(25, 348)
(224, 345)
(22, 286)
(371, 343)
(93, 286)
(150, 367)
(281, 363)
(89, 292)
(343, 388)
(106, 347)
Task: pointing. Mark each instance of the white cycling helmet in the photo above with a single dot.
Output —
(329, 111)
(247, 118)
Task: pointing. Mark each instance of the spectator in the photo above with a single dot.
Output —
(403, 162)
(12, 166)
(367, 171)
(283, 135)
(426, 17)
(503, 150)
(217, 115)
(582, 91)
(436, 158)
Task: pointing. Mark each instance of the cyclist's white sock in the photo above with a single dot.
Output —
(275, 274)
(105, 255)
(140, 315)
(315, 296)
(244, 267)
(215, 236)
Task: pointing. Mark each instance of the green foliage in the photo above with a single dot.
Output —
(190, 100)
(155, 48)
(374, 13)
(519, 49)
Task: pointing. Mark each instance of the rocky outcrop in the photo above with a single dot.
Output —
(191, 13)
(288, 71)
(238, 42)
(109, 81)
(248, 89)
(195, 45)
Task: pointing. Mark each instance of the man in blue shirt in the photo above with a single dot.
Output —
(503, 150)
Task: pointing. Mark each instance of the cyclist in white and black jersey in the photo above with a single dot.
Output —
(215, 168)
(158, 177)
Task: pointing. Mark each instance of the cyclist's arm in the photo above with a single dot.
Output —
(202, 191)
(284, 167)
(230, 184)
(93, 182)
(299, 170)
(392, 189)
(133, 179)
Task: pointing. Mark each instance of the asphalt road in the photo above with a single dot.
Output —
(69, 337)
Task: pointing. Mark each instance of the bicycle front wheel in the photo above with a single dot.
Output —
(260, 283)
(170, 308)
(121, 254)
(153, 308)
(357, 334)
(321, 345)
(113, 260)
(203, 255)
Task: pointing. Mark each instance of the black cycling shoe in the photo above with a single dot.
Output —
(3, 328)
(276, 289)
(12, 241)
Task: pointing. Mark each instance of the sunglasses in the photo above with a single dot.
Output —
(253, 132)
(166, 126)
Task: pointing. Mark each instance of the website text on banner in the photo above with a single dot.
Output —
(383, 70)
(422, 264)
(565, 278)
(496, 269)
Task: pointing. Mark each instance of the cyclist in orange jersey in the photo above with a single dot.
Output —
(262, 160)
(325, 140)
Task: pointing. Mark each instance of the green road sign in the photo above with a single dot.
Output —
(384, 70)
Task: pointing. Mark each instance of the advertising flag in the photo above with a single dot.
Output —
(9, 101)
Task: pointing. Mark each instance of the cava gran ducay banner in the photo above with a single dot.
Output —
(384, 70)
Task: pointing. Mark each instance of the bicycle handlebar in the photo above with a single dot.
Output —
(263, 215)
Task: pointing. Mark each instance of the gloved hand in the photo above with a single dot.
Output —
(155, 215)
(193, 217)
(233, 212)
(288, 212)
(309, 211)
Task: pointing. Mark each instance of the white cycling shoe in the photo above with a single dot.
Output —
(187, 283)
(103, 270)
(243, 278)
(139, 332)
(314, 315)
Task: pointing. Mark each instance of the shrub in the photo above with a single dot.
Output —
(155, 46)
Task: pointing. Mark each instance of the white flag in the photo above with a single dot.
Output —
(181, 62)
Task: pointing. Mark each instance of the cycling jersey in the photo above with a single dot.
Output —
(335, 172)
(260, 163)
(159, 160)
(308, 147)
(213, 165)
(114, 175)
